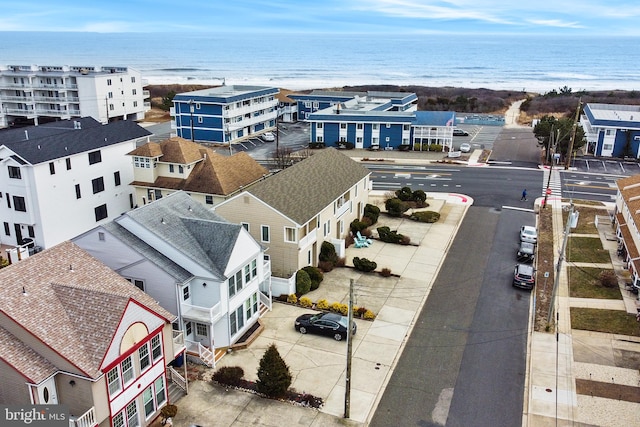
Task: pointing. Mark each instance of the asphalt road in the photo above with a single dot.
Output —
(464, 362)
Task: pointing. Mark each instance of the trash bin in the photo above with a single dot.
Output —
(178, 361)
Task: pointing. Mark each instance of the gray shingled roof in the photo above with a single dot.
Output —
(58, 143)
(73, 304)
(194, 230)
(306, 188)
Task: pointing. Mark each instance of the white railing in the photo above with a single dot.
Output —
(346, 206)
(208, 314)
(264, 299)
(177, 379)
(203, 353)
(178, 342)
(310, 238)
(88, 419)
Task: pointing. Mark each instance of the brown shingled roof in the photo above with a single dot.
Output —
(73, 303)
(150, 149)
(629, 188)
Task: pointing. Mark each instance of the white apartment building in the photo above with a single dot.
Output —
(34, 94)
(61, 179)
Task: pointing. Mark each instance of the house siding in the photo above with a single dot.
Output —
(13, 387)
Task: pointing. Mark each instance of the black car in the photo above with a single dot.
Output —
(329, 324)
(526, 252)
(460, 132)
(524, 276)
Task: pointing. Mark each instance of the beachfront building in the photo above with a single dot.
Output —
(33, 94)
(374, 120)
(297, 209)
(74, 333)
(612, 130)
(208, 272)
(627, 222)
(60, 179)
(162, 168)
(225, 114)
(287, 107)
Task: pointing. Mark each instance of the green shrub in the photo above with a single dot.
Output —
(435, 148)
(425, 216)
(372, 212)
(316, 276)
(328, 252)
(388, 236)
(404, 194)
(322, 304)
(363, 264)
(358, 225)
(315, 145)
(229, 375)
(274, 377)
(395, 207)
(303, 282)
(305, 302)
(419, 197)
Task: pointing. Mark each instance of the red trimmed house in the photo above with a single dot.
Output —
(74, 332)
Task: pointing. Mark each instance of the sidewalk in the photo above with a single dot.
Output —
(318, 364)
(555, 366)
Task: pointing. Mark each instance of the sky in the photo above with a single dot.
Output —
(566, 17)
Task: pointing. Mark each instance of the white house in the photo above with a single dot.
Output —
(36, 94)
(209, 272)
(612, 130)
(61, 179)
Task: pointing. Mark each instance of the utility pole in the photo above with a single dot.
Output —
(552, 139)
(573, 135)
(556, 279)
(347, 391)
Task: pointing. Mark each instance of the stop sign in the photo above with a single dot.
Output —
(548, 191)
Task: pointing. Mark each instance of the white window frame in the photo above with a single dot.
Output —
(293, 237)
(264, 228)
(127, 371)
(143, 353)
(131, 421)
(156, 344)
(111, 380)
(319, 125)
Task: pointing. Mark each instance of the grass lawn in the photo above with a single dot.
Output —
(608, 321)
(584, 282)
(586, 249)
(586, 219)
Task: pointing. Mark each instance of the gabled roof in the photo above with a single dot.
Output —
(214, 174)
(70, 302)
(54, 143)
(177, 219)
(303, 190)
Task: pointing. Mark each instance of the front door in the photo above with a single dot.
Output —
(18, 230)
(47, 394)
(202, 334)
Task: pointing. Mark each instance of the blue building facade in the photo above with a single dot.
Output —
(612, 130)
(373, 120)
(225, 114)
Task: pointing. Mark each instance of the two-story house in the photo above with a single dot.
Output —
(627, 221)
(207, 271)
(61, 179)
(36, 94)
(225, 114)
(612, 130)
(161, 168)
(295, 210)
(74, 333)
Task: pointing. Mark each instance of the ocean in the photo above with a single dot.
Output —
(307, 61)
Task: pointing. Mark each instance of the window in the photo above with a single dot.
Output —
(180, 169)
(133, 79)
(132, 412)
(245, 225)
(238, 280)
(254, 268)
(111, 107)
(95, 157)
(135, 103)
(118, 420)
(127, 370)
(318, 125)
(110, 95)
(240, 317)
(8, 201)
(307, 104)
(375, 141)
(289, 235)
(343, 125)
(142, 162)
(156, 347)
(78, 194)
(116, 178)
(208, 199)
(143, 356)
(19, 204)
(199, 119)
(14, 172)
(255, 302)
(31, 231)
(160, 395)
(147, 399)
(188, 328)
(247, 273)
(7, 230)
(359, 139)
(233, 323)
(113, 380)
(232, 286)
(319, 138)
(247, 308)
(171, 167)
(138, 283)
(185, 293)
(101, 236)
(202, 330)
(265, 233)
(359, 126)
(98, 185)
(52, 168)
(374, 126)
(68, 162)
(108, 82)
(134, 92)
(101, 212)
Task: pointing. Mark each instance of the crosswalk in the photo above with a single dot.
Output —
(554, 184)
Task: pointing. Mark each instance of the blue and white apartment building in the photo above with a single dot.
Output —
(225, 114)
(385, 120)
(612, 130)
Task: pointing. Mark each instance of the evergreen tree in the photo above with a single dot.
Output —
(274, 377)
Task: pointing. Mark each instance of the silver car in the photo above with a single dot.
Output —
(528, 234)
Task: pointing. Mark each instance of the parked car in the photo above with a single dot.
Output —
(465, 147)
(268, 137)
(526, 252)
(524, 276)
(329, 324)
(460, 132)
(528, 234)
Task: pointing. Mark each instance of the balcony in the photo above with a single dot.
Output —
(309, 239)
(178, 342)
(88, 419)
(346, 206)
(202, 314)
(146, 94)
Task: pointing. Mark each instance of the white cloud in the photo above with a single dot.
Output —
(555, 23)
